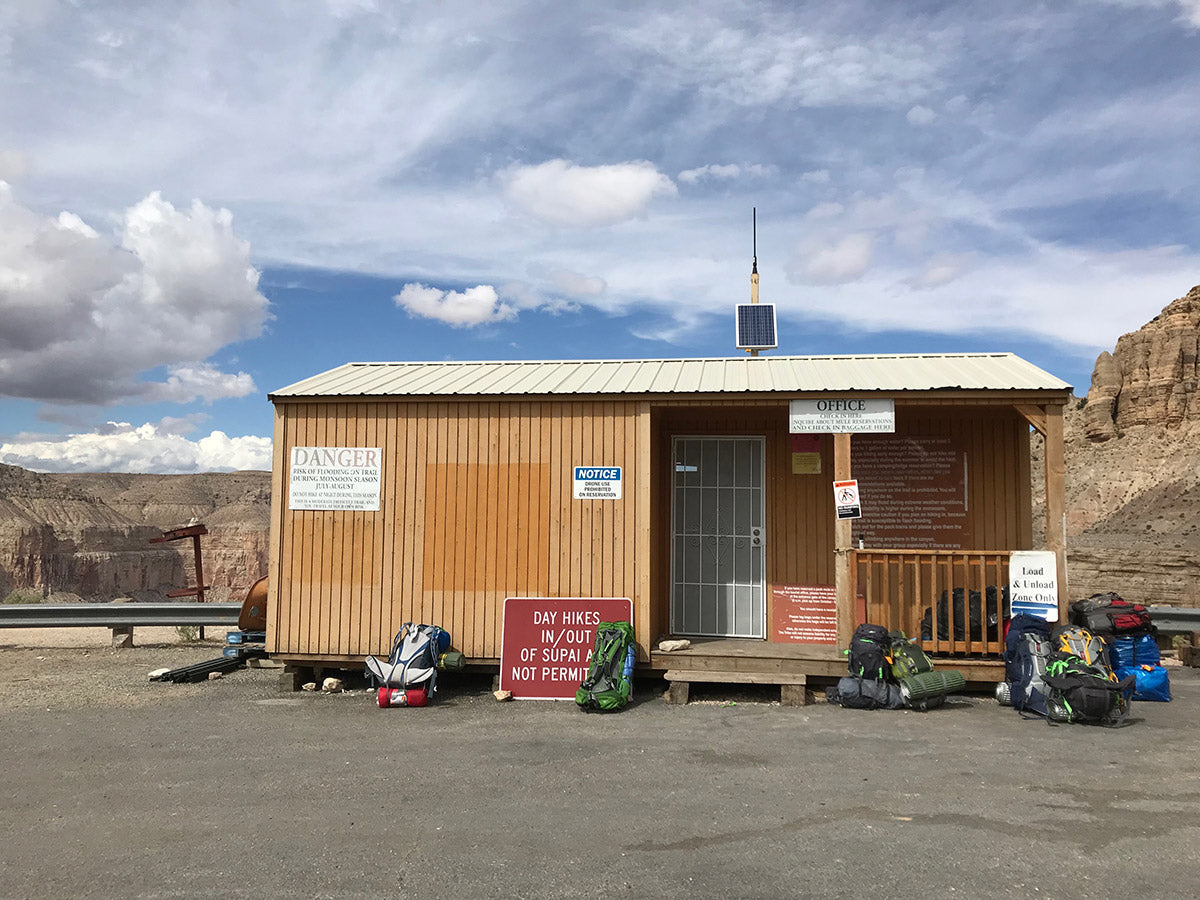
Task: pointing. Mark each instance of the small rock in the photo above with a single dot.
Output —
(332, 686)
(309, 686)
(502, 695)
(676, 644)
(215, 676)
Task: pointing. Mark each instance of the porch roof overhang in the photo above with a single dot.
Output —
(963, 375)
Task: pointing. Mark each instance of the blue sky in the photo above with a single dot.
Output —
(205, 202)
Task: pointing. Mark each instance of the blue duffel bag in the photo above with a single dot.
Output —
(1149, 682)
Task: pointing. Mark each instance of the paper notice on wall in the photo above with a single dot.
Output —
(328, 478)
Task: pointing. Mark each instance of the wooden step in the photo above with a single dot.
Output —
(791, 684)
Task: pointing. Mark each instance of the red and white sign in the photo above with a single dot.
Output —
(804, 613)
(845, 498)
(546, 642)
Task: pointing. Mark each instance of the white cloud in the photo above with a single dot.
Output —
(816, 176)
(941, 269)
(479, 305)
(121, 447)
(920, 115)
(562, 193)
(577, 285)
(728, 172)
(837, 262)
(84, 316)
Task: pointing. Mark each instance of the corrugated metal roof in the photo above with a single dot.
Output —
(763, 374)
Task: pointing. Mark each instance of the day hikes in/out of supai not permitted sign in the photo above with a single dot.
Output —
(546, 642)
(328, 478)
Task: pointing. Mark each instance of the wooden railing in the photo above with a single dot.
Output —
(954, 600)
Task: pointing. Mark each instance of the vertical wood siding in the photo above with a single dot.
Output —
(475, 505)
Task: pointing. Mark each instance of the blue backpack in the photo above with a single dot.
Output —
(1026, 652)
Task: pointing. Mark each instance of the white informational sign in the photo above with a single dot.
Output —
(842, 415)
(597, 483)
(335, 478)
(845, 498)
(1033, 584)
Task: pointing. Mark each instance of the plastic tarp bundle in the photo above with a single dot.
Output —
(1126, 652)
(1149, 682)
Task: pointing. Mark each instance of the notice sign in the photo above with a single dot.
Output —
(597, 483)
(845, 498)
(546, 642)
(335, 478)
(842, 415)
(804, 613)
(1033, 583)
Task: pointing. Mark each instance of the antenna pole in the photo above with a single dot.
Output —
(754, 266)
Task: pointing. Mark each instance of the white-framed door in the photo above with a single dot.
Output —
(718, 584)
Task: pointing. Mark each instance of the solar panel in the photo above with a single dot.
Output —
(756, 326)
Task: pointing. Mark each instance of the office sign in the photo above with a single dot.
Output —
(842, 415)
(597, 483)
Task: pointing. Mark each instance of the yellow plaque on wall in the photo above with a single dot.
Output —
(806, 463)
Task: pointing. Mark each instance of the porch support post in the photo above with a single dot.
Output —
(1056, 515)
(843, 557)
(643, 549)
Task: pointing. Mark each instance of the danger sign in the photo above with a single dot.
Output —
(845, 498)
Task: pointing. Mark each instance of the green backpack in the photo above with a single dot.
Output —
(609, 681)
(908, 658)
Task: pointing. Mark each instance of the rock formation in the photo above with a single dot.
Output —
(88, 536)
(1152, 377)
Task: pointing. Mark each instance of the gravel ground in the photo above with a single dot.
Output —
(116, 786)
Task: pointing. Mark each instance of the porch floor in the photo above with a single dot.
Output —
(731, 656)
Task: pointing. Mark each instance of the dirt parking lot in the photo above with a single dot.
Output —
(116, 786)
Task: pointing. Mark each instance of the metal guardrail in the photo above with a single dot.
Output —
(116, 615)
(1175, 619)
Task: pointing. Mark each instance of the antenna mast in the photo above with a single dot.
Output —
(754, 265)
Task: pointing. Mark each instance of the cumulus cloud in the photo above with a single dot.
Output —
(479, 305)
(562, 193)
(920, 115)
(82, 315)
(155, 449)
(839, 261)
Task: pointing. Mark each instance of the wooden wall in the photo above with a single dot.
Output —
(476, 506)
(799, 508)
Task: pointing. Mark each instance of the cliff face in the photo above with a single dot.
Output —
(1133, 466)
(1151, 378)
(89, 535)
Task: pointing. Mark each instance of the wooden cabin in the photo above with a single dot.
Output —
(726, 529)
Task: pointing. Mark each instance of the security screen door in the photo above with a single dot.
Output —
(717, 537)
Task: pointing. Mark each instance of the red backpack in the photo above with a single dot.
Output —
(1109, 615)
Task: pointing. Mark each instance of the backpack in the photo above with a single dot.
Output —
(908, 658)
(856, 692)
(1109, 614)
(1085, 694)
(870, 652)
(1078, 641)
(412, 660)
(609, 681)
(1026, 651)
